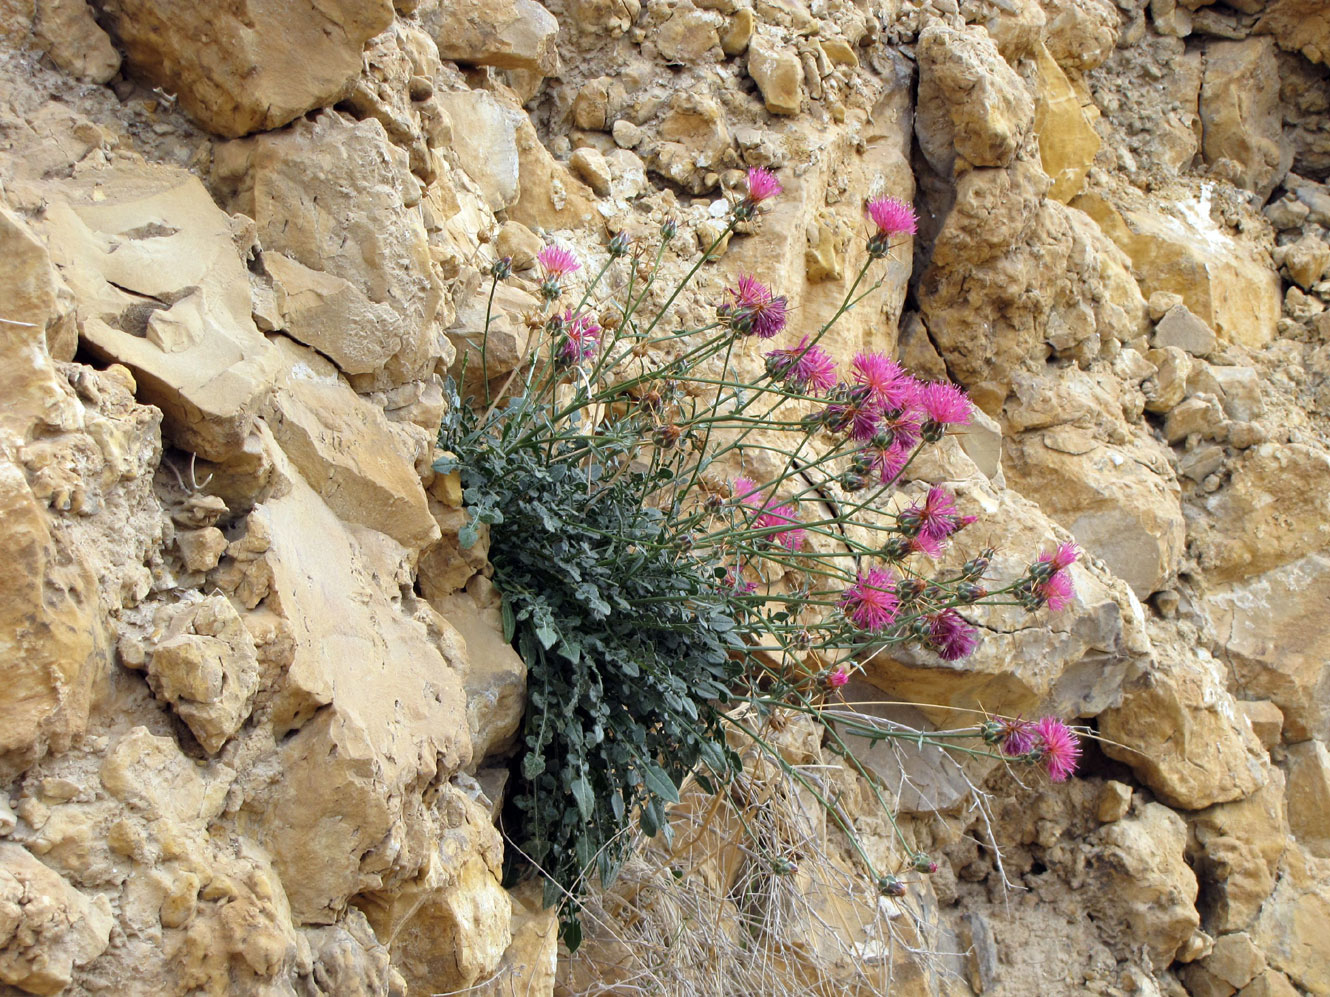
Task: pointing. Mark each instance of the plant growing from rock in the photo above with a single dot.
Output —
(683, 550)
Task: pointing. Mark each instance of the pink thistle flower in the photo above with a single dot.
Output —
(928, 545)
(581, 338)
(892, 216)
(803, 368)
(871, 603)
(746, 492)
(936, 517)
(762, 184)
(889, 462)
(865, 423)
(556, 262)
(755, 309)
(838, 677)
(1018, 736)
(904, 427)
(945, 403)
(1060, 747)
(886, 382)
(950, 635)
(1062, 558)
(736, 583)
(781, 515)
(1056, 591)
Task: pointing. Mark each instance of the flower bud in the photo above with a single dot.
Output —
(669, 228)
(890, 886)
(620, 243)
(969, 592)
(922, 863)
(502, 268)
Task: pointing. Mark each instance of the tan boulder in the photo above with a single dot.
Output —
(969, 99)
(70, 36)
(1241, 113)
(236, 75)
(1081, 34)
(167, 297)
(1118, 499)
(206, 667)
(333, 196)
(1236, 848)
(1306, 260)
(495, 681)
(778, 74)
(1179, 730)
(1228, 285)
(1068, 141)
(549, 196)
(1271, 983)
(31, 289)
(1272, 628)
(344, 448)
(688, 35)
(485, 144)
(1299, 26)
(530, 961)
(1275, 509)
(1147, 893)
(512, 34)
(368, 714)
(1308, 795)
(49, 927)
(449, 927)
(1293, 929)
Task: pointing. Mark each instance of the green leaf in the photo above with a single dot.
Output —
(532, 765)
(467, 536)
(660, 783)
(581, 790)
(509, 622)
(647, 818)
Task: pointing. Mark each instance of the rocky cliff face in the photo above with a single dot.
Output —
(255, 700)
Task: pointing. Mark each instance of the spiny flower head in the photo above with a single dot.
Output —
(762, 184)
(871, 603)
(804, 368)
(746, 492)
(556, 262)
(950, 635)
(837, 677)
(935, 518)
(735, 581)
(945, 403)
(581, 338)
(782, 515)
(1062, 558)
(888, 462)
(1059, 747)
(754, 309)
(1017, 735)
(892, 216)
(927, 544)
(884, 379)
(1056, 591)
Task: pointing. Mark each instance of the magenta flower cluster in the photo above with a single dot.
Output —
(1048, 740)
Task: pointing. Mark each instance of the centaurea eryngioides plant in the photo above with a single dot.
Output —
(663, 595)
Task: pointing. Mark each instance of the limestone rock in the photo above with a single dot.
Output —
(1275, 509)
(1299, 25)
(495, 681)
(340, 807)
(505, 344)
(1308, 794)
(778, 74)
(1180, 328)
(1113, 803)
(449, 928)
(1180, 731)
(16, 20)
(205, 666)
(332, 195)
(486, 147)
(530, 961)
(167, 297)
(688, 35)
(1068, 141)
(1273, 636)
(1241, 113)
(66, 29)
(47, 927)
(1291, 927)
(345, 450)
(237, 75)
(515, 34)
(1237, 851)
(1224, 283)
(984, 102)
(31, 289)
(1109, 486)
(1081, 34)
(1307, 260)
(1147, 892)
(591, 166)
(549, 196)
